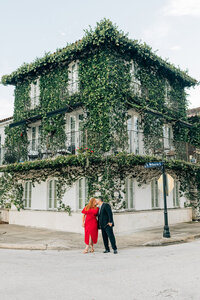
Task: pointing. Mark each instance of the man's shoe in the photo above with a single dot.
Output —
(106, 251)
(115, 252)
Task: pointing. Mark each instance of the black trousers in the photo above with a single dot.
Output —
(107, 233)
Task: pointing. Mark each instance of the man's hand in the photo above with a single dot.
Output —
(110, 224)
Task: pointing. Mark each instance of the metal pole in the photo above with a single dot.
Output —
(166, 232)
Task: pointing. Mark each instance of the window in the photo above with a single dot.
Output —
(73, 78)
(27, 194)
(176, 194)
(72, 134)
(167, 92)
(35, 93)
(82, 192)
(135, 82)
(133, 133)
(35, 141)
(81, 133)
(129, 193)
(154, 194)
(52, 194)
(167, 136)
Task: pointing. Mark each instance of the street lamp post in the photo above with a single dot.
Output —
(166, 232)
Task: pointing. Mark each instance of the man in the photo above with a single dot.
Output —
(106, 223)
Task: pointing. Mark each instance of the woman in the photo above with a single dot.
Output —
(90, 224)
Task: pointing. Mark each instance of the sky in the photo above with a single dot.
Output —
(30, 28)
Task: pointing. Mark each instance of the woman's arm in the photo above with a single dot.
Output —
(83, 221)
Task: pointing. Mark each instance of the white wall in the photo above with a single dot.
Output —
(39, 200)
(142, 197)
(134, 221)
(124, 222)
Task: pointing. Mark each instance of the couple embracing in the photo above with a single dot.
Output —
(98, 215)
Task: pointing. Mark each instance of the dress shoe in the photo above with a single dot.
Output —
(115, 252)
(106, 251)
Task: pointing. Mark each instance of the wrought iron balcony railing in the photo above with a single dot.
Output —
(138, 144)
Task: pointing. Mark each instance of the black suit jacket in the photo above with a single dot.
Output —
(105, 216)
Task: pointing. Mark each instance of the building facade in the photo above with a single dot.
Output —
(106, 98)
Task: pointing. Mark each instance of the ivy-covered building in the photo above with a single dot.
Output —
(102, 98)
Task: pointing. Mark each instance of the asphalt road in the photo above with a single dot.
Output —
(170, 272)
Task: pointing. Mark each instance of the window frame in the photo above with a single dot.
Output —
(84, 192)
(35, 93)
(134, 143)
(54, 195)
(73, 77)
(28, 194)
(129, 193)
(167, 136)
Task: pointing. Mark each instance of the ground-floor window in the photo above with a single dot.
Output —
(27, 194)
(52, 194)
(82, 192)
(154, 194)
(176, 202)
(129, 193)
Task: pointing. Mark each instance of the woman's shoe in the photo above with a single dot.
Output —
(92, 250)
(85, 250)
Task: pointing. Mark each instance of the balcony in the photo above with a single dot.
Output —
(51, 148)
(162, 147)
(137, 144)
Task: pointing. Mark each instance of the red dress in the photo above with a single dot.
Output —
(91, 225)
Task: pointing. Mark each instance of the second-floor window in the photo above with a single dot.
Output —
(35, 142)
(135, 82)
(73, 78)
(168, 137)
(75, 134)
(35, 93)
(133, 134)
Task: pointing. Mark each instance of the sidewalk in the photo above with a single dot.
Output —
(20, 237)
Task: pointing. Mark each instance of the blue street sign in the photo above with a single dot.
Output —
(153, 165)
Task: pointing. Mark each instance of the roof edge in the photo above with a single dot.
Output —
(105, 32)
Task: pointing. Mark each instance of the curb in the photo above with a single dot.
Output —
(23, 246)
(153, 243)
(171, 241)
(32, 247)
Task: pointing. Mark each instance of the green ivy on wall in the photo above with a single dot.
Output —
(105, 174)
(104, 56)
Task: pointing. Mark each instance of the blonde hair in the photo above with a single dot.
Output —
(91, 204)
